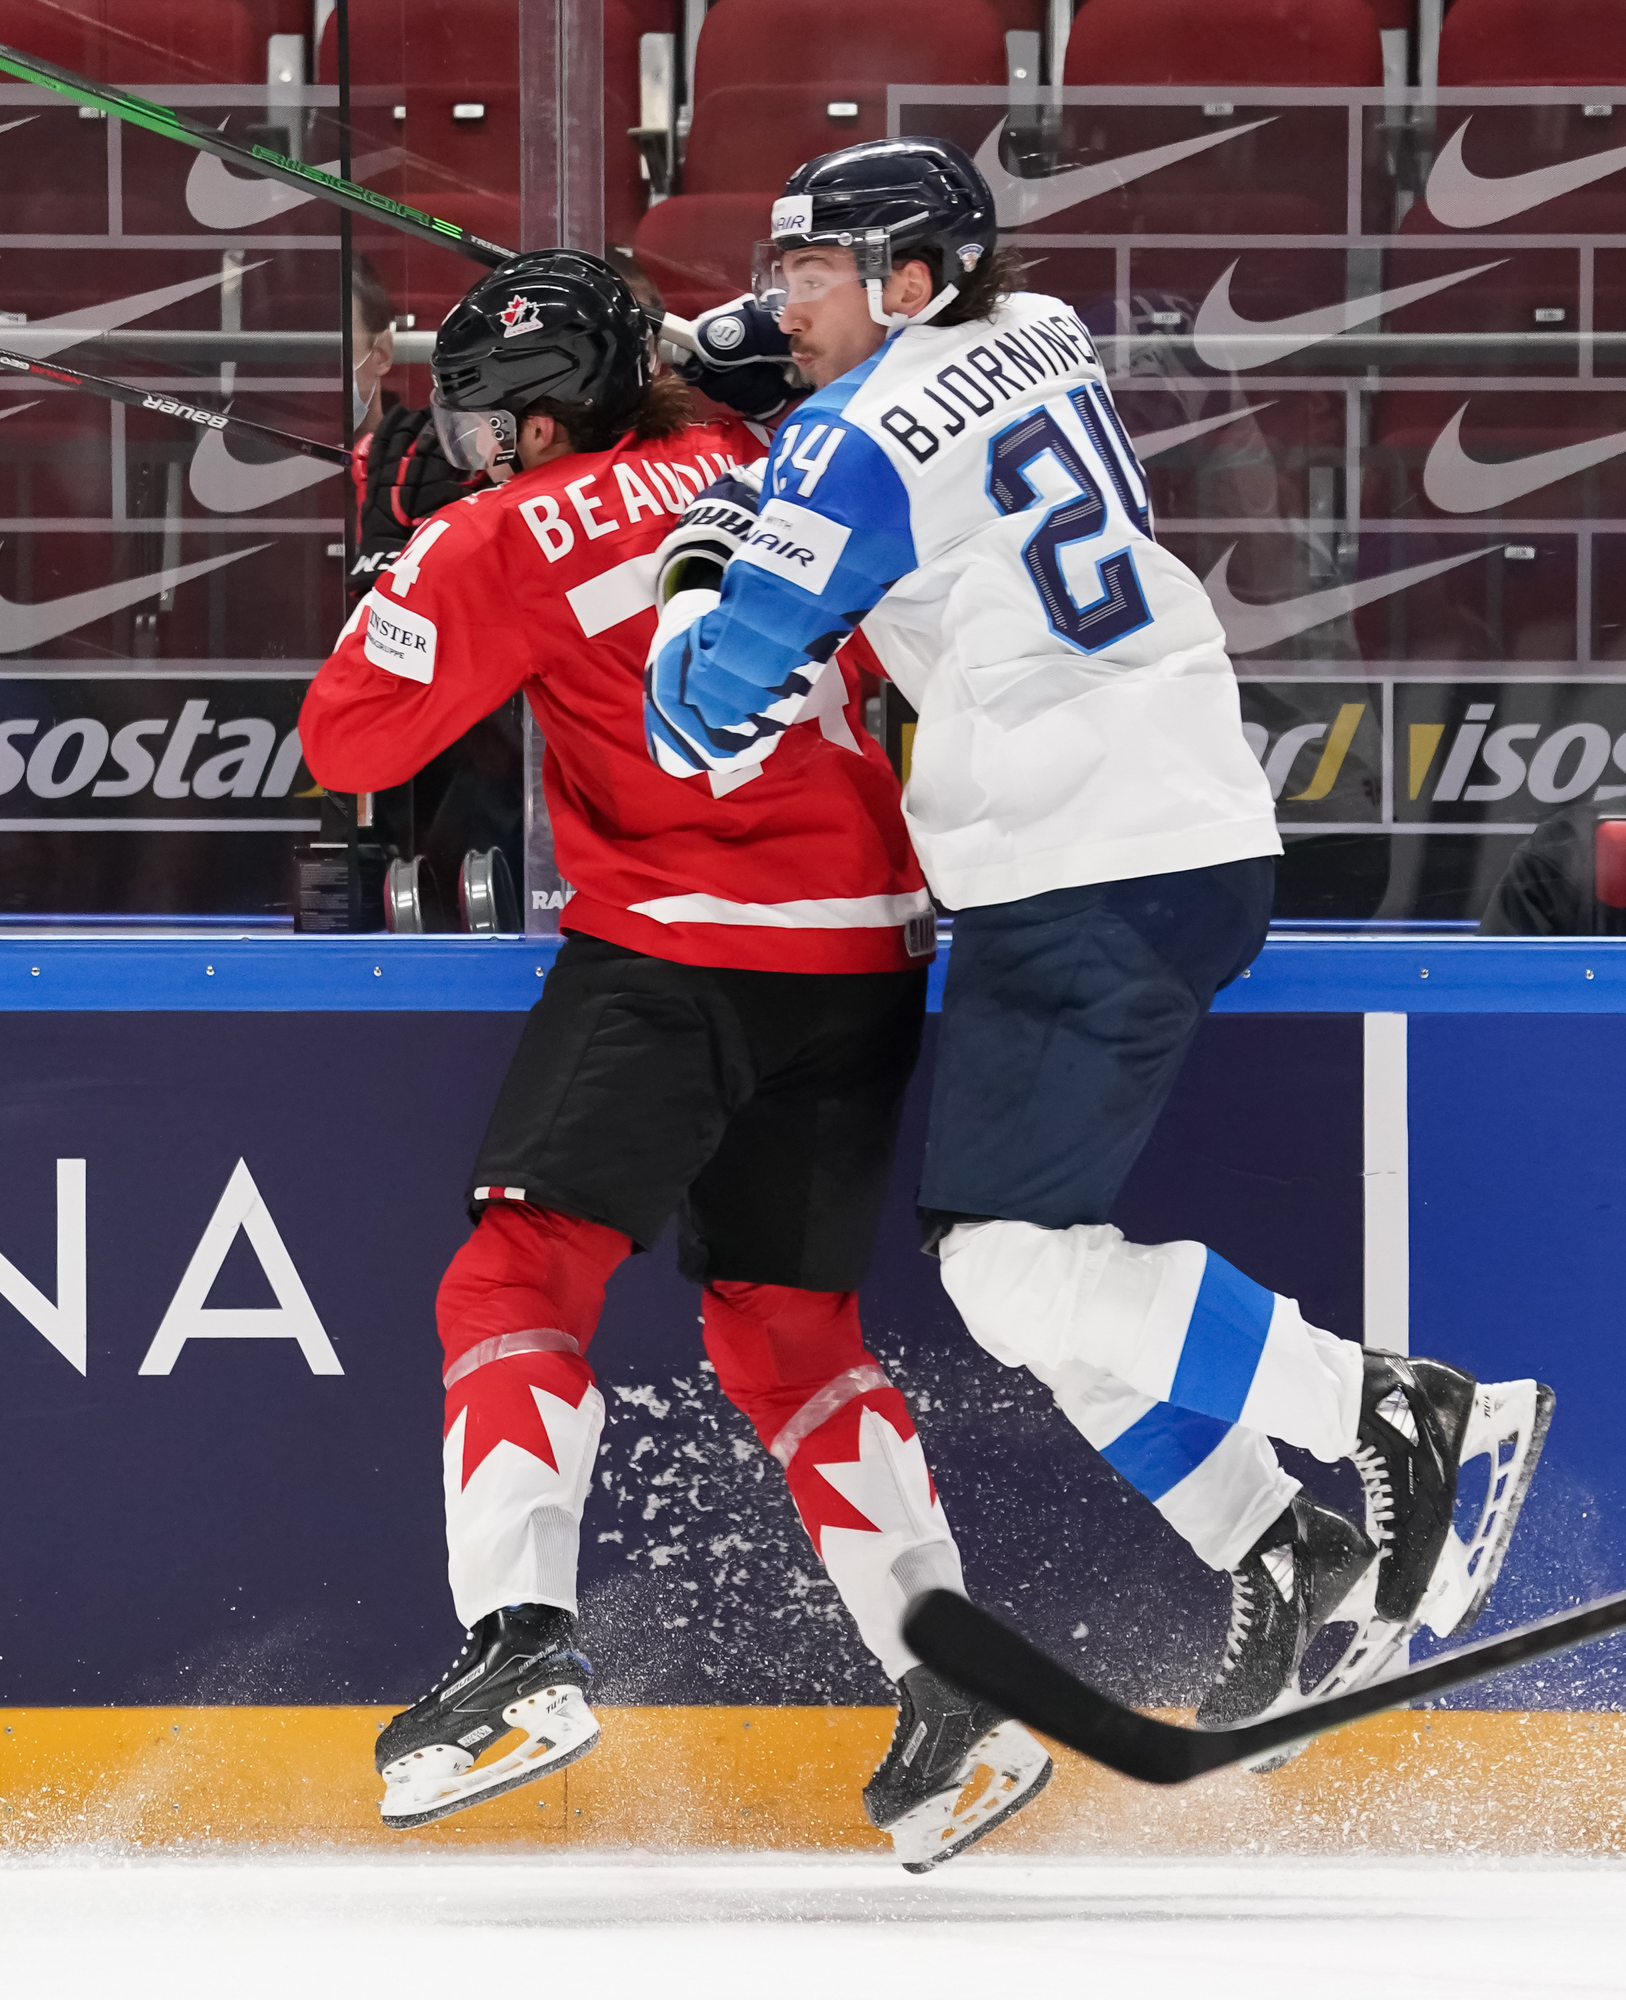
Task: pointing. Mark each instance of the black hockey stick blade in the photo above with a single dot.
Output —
(252, 159)
(167, 405)
(974, 1650)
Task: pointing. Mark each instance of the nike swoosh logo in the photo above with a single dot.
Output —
(1017, 200)
(1462, 199)
(228, 485)
(220, 199)
(19, 121)
(17, 409)
(1150, 443)
(1249, 628)
(1459, 484)
(1224, 339)
(25, 625)
(42, 337)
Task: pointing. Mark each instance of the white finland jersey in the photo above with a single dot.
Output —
(970, 496)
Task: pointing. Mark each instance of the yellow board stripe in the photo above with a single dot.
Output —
(791, 1777)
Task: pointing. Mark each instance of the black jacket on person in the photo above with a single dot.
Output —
(1548, 888)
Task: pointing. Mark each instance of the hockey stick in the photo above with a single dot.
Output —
(969, 1647)
(253, 159)
(168, 406)
(277, 167)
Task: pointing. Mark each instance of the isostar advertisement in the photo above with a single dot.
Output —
(147, 797)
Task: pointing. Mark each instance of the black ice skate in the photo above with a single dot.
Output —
(1420, 1423)
(1283, 1591)
(517, 1671)
(923, 1792)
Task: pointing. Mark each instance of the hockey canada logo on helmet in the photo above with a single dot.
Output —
(553, 325)
(520, 315)
(881, 200)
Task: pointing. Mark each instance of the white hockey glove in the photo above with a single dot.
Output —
(716, 526)
(744, 361)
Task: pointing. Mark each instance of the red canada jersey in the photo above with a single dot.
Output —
(546, 583)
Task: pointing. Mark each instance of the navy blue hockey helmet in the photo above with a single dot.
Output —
(550, 323)
(885, 198)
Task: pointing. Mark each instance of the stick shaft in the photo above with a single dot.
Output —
(165, 405)
(261, 160)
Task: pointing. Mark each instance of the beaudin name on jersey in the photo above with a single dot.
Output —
(970, 495)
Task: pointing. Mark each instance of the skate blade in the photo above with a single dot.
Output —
(1509, 1422)
(1375, 1649)
(431, 1784)
(933, 1832)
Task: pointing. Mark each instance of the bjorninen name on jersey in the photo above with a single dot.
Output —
(982, 379)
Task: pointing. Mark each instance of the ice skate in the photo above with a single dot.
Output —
(517, 1672)
(955, 1770)
(1287, 1586)
(1420, 1423)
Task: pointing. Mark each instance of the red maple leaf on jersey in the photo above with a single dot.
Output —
(499, 1404)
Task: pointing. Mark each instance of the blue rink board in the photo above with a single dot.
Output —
(240, 1530)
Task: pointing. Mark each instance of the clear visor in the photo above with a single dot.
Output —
(473, 440)
(813, 273)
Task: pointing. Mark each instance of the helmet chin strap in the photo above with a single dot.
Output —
(892, 321)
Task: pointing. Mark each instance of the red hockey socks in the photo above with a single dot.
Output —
(516, 1309)
(795, 1364)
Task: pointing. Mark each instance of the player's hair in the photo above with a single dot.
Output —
(369, 297)
(661, 411)
(981, 295)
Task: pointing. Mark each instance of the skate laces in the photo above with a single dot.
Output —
(1373, 1465)
(1242, 1586)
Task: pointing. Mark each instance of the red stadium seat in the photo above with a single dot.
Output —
(1533, 42)
(764, 103)
(132, 42)
(909, 41)
(1283, 42)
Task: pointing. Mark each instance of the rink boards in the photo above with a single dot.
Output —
(221, 1437)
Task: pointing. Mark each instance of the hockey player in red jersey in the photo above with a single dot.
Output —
(726, 1036)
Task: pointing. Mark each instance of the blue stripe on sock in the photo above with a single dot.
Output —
(1158, 1451)
(1224, 1341)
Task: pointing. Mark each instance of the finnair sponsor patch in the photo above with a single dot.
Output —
(400, 641)
(792, 216)
(794, 542)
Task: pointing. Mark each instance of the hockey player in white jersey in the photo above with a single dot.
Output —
(1083, 799)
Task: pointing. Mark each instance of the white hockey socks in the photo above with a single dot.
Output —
(1172, 1321)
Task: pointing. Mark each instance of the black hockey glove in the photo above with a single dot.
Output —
(716, 526)
(746, 365)
(409, 478)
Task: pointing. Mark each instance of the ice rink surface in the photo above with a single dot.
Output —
(305, 1928)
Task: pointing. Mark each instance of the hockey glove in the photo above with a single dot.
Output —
(716, 526)
(408, 477)
(747, 365)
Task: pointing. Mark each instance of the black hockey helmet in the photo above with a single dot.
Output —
(883, 199)
(554, 323)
